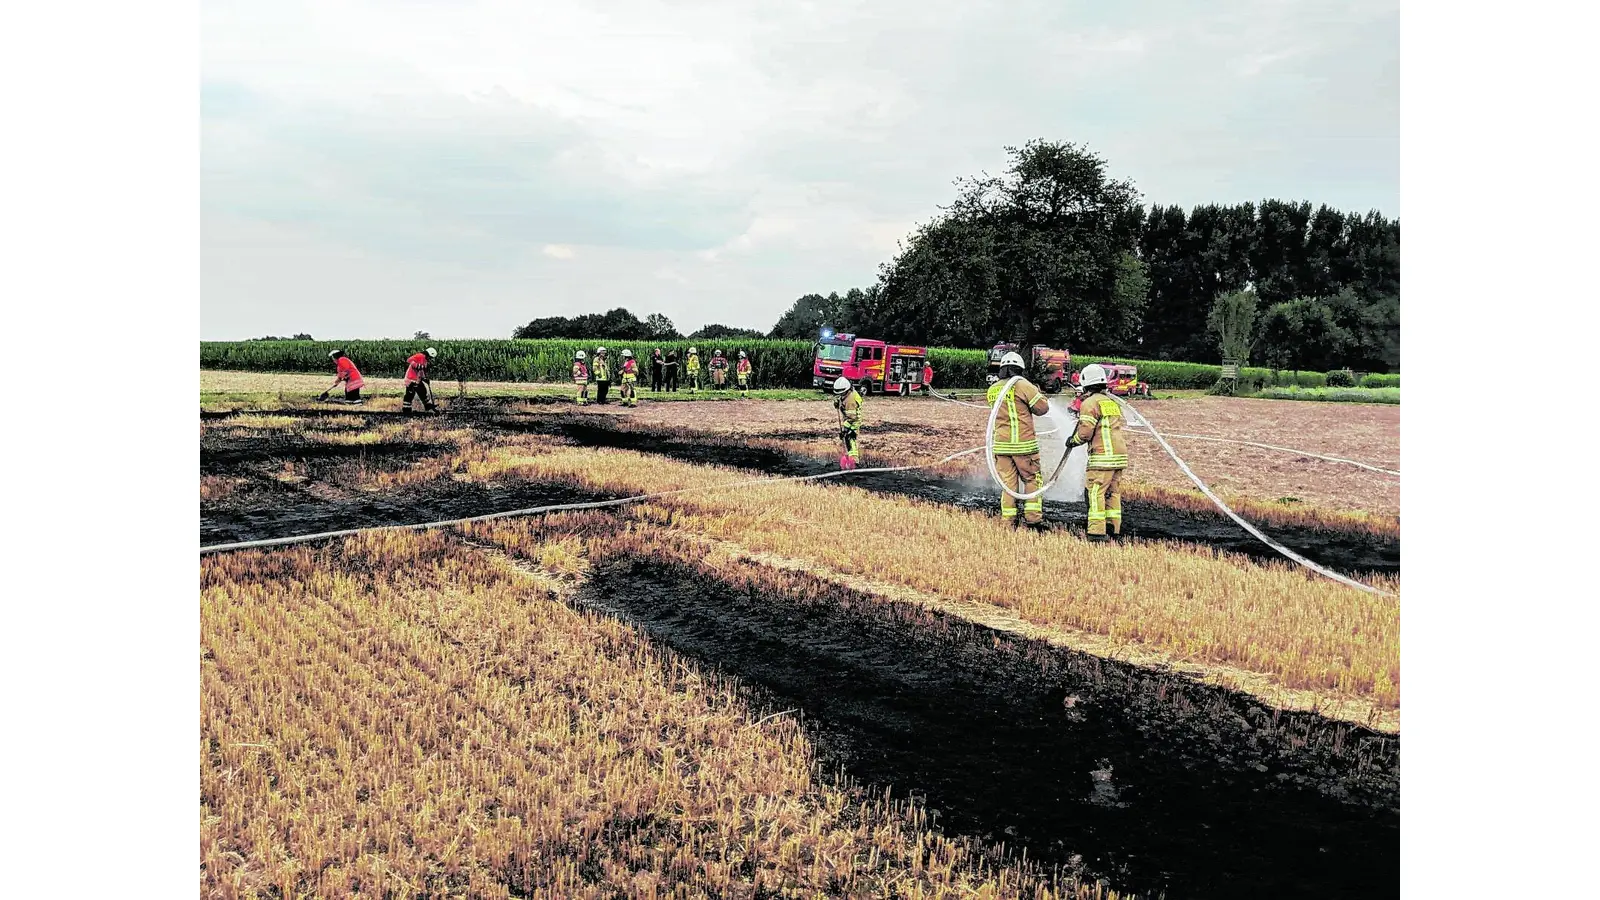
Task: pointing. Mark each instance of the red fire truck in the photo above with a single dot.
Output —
(871, 365)
(1051, 366)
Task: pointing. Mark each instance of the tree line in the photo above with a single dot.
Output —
(1056, 252)
(620, 324)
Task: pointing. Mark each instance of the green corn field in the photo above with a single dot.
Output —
(776, 363)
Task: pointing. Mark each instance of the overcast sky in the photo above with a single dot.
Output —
(371, 168)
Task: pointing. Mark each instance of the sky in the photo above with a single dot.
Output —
(373, 168)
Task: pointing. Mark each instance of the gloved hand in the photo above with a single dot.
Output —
(324, 396)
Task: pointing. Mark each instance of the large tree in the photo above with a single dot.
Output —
(1035, 254)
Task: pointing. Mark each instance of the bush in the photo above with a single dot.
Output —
(1332, 394)
(1380, 381)
(1341, 378)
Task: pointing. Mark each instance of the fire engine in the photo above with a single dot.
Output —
(871, 365)
(1052, 365)
(1123, 380)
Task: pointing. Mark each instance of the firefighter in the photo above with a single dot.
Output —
(580, 376)
(602, 375)
(657, 364)
(671, 372)
(347, 375)
(1016, 446)
(1100, 426)
(719, 370)
(848, 403)
(418, 385)
(927, 377)
(691, 368)
(630, 377)
(743, 373)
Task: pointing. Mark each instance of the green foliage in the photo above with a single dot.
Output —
(1036, 254)
(1341, 378)
(716, 332)
(1232, 322)
(810, 314)
(1332, 394)
(776, 363)
(1375, 380)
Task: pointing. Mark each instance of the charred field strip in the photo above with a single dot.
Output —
(1355, 554)
(1352, 553)
(1148, 779)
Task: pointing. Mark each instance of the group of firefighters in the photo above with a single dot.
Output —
(1016, 443)
(663, 373)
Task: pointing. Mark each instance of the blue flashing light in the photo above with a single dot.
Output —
(827, 333)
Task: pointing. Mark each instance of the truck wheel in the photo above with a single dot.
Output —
(865, 387)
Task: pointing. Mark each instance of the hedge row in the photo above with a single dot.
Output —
(776, 363)
(1380, 381)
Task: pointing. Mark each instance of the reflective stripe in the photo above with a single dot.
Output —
(1007, 448)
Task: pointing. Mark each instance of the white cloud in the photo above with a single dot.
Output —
(754, 151)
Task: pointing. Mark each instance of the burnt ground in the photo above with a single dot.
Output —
(1353, 553)
(295, 513)
(1047, 750)
(1349, 552)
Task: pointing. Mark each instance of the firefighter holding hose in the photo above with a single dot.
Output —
(580, 376)
(1100, 426)
(849, 404)
(1016, 445)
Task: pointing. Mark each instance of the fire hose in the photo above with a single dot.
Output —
(988, 447)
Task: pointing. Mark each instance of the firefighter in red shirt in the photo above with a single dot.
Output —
(927, 377)
(743, 373)
(417, 384)
(348, 375)
(630, 377)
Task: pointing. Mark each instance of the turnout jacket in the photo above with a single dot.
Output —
(1100, 426)
(849, 407)
(580, 372)
(601, 370)
(1013, 427)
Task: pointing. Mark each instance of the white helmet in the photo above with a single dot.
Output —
(1012, 359)
(579, 355)
(741, 354)
(1092, 374)
(693, 350)
(431, 352)
(600, 350)
(841, 384)
(718, 353)
(627, 354)
(334, 354)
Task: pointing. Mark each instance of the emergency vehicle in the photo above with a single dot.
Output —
(1123, 380)
(1052, 367)
(869, 364)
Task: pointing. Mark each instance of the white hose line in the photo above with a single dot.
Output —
(1203, 437)
(1204, 489)
(955, 401)
(988, 447)
(565, 507)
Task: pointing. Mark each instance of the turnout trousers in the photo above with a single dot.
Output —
(1023, 474)
(1105, 500)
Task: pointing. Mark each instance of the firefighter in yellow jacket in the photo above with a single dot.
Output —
(1100, 426)
(691, 368)
(1016, 446)
(848, 403)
